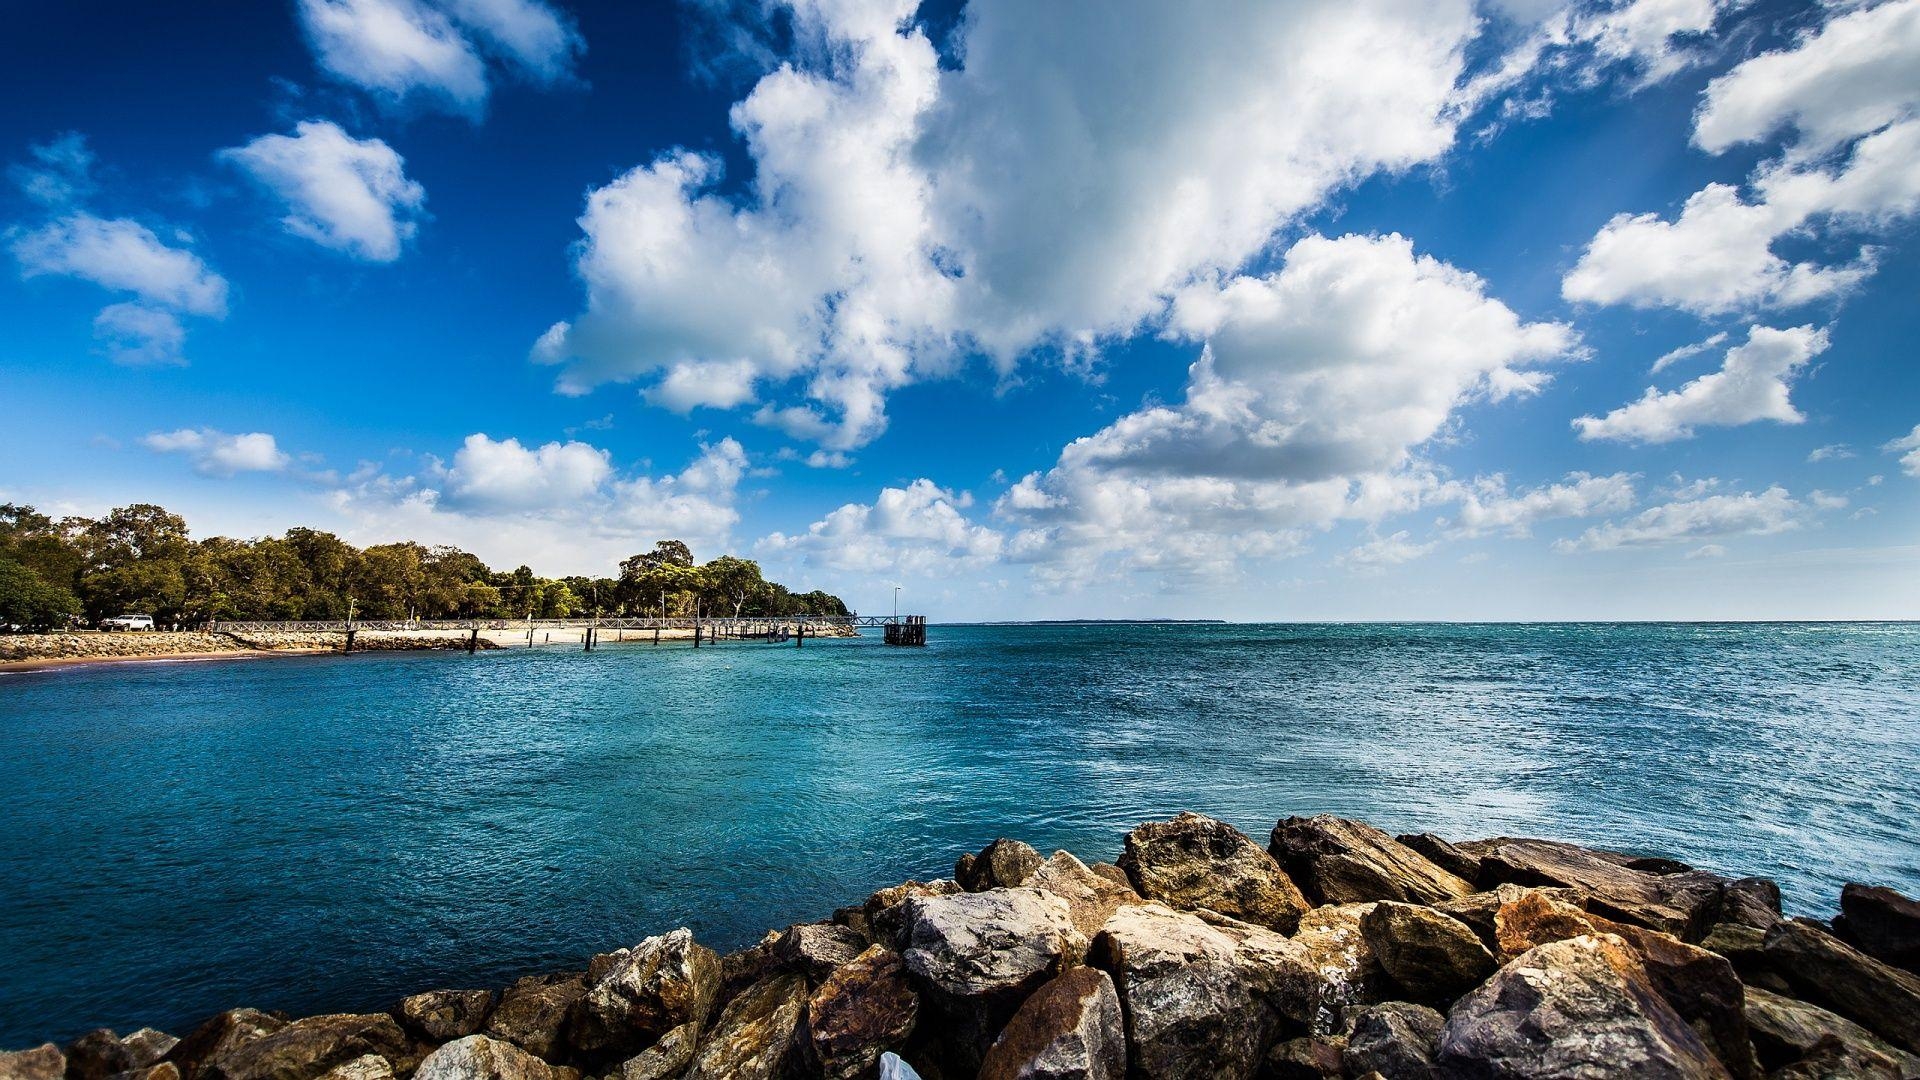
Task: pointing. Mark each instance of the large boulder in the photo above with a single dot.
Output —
(149, 1045)
(1750, 901)
(1434, 957)
(533, 1013)
(1347, 970)
(1828, 972)
(220, 1035)
(1070, 1029)
(1397, 1039)
(755, 1037)
(885, 912)
(661, 983)
(477, 1057)
(1831, 1059)
(816, 949)
(1196, 862)
(1309, 1057)
(861, 1010)
(1338, 861)
(1444, 855)
(1582, 1007)
(1003, 864)
(1683, 903)
(1786, 1031)
(43, 1062)
(441, 1016)
(1200, 998)
(306, 1049)
(976, 957)
(1091, 897)
(364, 1067)
(99, 1054)
(1881, 923)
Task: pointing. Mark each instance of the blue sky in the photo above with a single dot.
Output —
(1300, 310)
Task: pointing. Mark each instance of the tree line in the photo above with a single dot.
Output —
(59, 572)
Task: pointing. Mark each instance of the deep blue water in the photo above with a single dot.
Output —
(324, 834)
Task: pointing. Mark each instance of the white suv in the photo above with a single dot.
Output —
(128, 622)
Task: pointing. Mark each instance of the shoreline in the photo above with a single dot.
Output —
(1335, 950)
(56, 663)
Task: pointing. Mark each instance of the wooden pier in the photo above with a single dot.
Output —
(907, 630)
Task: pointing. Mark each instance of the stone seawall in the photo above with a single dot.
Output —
(1335, 950)
(153, 645)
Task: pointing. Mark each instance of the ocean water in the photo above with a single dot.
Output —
(326, 834)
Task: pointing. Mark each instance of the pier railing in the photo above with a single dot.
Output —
(604, 622)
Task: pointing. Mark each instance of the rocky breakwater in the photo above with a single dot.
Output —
(34, 649)
(1334, 951)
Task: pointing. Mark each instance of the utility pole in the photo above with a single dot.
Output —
(896, 601)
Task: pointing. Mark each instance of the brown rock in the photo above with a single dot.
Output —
(441, 1016)
(755, 1035)
(1396, 1039)
(1003, 864)
(1200, 998)
(815, 949)
(532, 1013)
(664, 1059)
(43, 1062)
(219, 1035)
(661, 983)
(1309, 1057)
(1434, 957)
(1070, 1029)
(1682, 904)
(863, 1009)
(165, 1070)
(976, 956)
(1828, 972)
(1786, 1031)
(1090, 897)
(1576, 1008)
(886, 910)
(1197, 862)
(744, 967)
(1751, 901)
(1444, 855)
(97, 1055)
(149, 1045)
(1111, 873)
(1348, 972)
(477, 1057)
(364, 1067)
(1338, 861)
(1831, 1059)
(1881, 923)
(306, 1049)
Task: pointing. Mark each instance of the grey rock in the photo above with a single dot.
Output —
(1786, 1030)
(364, 1067)
(149, 1045)
(976, 956)
(754, 1038)
(815, 949)
(1337, 861)
(477, 1057)
(1436, 958)
(1831, 1059)
(1196, 862)
(1582, 1007)
(1069, 1029)
(1091, 897)
(886, 910)
(441, 1016)
(664, 1059)
(1348, 971)
(661, 983)
(1828, 972)
(1396, 1039)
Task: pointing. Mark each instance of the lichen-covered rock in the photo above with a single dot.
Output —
(43, 1062)
(1481, 910)
(861, 1010)
(664, 1059)
(1786, 1031)
(886, 910)
(1069, 1029)
(441, 1016)
(308, 1048)
(532, 1013)
(1337, 861)
(1576, 1008)
(1196, 862)
(1201, 999)
(218, 1035)
(815, 949)
(976, 956)
(661, 983)
(1003, 864)
(754, 1038)
(1682, 903)
(477, 1057)
(1828, 972)
(1090, 897)
(1881, 923)
(1347, 971)
(364, 1067)
(1397, 1039)
(1434, 957)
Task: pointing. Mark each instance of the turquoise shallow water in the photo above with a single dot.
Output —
(327, 833)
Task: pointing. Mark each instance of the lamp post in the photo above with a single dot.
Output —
(896, 602)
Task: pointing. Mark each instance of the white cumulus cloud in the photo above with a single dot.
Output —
(1908, 446)
(1697, 513)
(348, 194)
(125, 256)
(1754, 383)
(436, 50)
(139, 335)
(920, 529)
(1486, 506)
(216, 453)
(504, 475)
